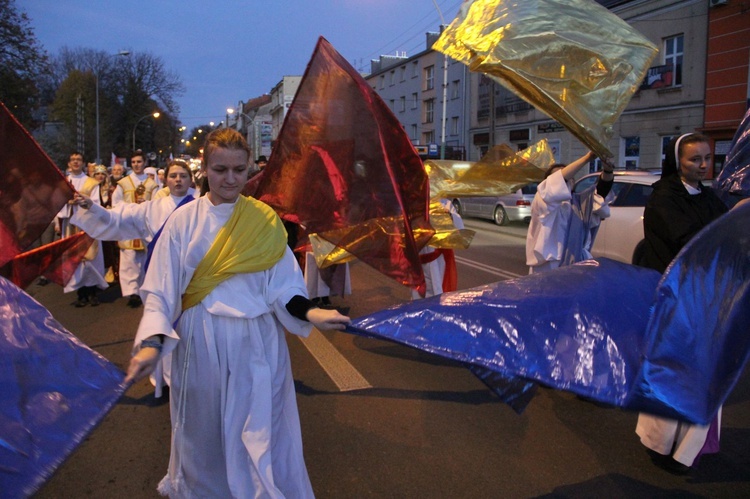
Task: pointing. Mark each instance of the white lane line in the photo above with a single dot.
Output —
(486, 268)
(341, 372)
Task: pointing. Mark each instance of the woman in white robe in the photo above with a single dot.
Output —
(235, 426)
(552, 214)
(137, 221)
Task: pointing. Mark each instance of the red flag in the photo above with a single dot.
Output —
(32, 188)
(56, 261)
(344, 168)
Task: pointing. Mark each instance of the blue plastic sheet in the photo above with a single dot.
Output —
(589, 328)
(579, 328)
(53, 391)
(735, 176)
(699, 334)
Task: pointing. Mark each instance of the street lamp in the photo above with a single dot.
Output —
(123, 53)
(229, 111)
(445, 88)
(153, 115)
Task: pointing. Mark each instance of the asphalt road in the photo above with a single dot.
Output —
(381, 420)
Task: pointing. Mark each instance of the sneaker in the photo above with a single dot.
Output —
(94, 300)
(80, 302)
(134, 301)
(668, 463)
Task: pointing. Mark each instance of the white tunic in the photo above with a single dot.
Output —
(88, 272)
(551, 213)
(131, 261)
(126, 220)
(235, 426)
(683, 441)
(434, 271)
(131, 221)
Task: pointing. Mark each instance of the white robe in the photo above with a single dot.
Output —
(233, 435)
(131, 261)
(551, 213)
(88, 272)
(434, 271)
(683, 441)
(131, 221)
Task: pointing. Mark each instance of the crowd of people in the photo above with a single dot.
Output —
(219, 284)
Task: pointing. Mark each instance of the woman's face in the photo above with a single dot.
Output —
(695, 160)
(100, 177)
(226, 173)
(178, 181)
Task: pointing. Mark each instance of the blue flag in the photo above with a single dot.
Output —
(53, 392)
(615, 333)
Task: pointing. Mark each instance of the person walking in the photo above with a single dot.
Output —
(135, 188)
(221, 289)
(678, 208)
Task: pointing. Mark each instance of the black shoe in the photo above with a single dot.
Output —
(43, 281)
(134, 301)
(668, 463)
(94, 300)
(80, 302)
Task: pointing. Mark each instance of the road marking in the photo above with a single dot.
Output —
(486, 268)
(342, 373)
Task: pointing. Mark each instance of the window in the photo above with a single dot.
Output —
(429, 77)
(414, 100)
(415, 69)
(413, 134)
(455, 89)
(664, 145)
(454, 125)
(429, 111)
(673, 48)
(392, 104)
(392, 79)
(429, 137)
(402, 104)
(403, 73)
(634, 195)
(382, 81)
(630, 151)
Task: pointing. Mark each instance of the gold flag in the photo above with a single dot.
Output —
(573, 59)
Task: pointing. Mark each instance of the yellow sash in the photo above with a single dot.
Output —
(252, 240)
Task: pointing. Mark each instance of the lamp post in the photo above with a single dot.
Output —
(229, 111)
(245, 116)
(153, 115)
(123, 53)
(445, 88)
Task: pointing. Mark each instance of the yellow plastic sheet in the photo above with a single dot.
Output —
(573, 59)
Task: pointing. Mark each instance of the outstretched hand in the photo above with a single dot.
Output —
(327, 319)
(142, 364)
(82, 201)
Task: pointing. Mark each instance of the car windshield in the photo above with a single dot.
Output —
(529, 189)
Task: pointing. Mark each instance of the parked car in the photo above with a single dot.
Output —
(514, 207)
(619, 235)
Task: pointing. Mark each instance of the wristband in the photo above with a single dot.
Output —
(150, 342)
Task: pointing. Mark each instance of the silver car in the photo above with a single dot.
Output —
(514, 207)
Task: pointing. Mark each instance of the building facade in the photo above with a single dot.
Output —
(427, 93)
(698, 82)
(282, 96)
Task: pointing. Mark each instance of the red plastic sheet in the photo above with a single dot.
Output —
(32, 188)
(56, 261)
(344, 169)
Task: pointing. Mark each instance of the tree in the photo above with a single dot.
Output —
(129, 88)
(23, 62)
